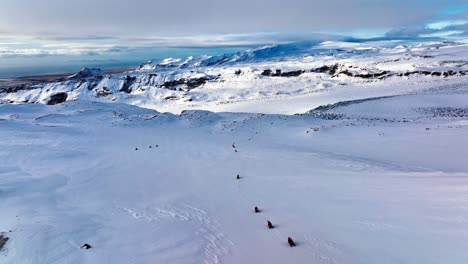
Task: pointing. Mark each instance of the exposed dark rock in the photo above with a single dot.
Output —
(103, 92)
(127, 84)
(451, 112)
(372, 75)
(170, 84)
(292, 73)
(327, 69)
(3, 240)
(266, 72)
(279, 73)
(171, 97)
(333, 70)
(197, 82)
(57, 98)
(14, 88)
(425, 72)
(190, 83)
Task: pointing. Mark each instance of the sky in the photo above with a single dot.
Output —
(92, 30)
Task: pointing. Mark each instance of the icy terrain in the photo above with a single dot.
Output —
(371, 169)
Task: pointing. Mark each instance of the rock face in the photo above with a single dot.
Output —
(188, 83)
(57, 98)
(127, 84)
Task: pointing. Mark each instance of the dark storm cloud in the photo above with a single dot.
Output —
(187, 17)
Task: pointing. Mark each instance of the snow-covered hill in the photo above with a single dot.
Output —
(267, 76)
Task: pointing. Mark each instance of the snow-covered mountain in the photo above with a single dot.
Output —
(264, 74)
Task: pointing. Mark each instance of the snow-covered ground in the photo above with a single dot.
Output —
(376, 174)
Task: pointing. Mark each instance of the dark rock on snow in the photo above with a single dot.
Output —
(57, 98)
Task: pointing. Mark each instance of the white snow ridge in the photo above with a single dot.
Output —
(356, 151)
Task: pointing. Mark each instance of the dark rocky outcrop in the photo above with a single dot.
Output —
(266, 72)
(190, 83)
(171, 97)
(326, 69)
(14, 88)
(57, 98)
(103, 92)
(451, 112)
(3, 240)
(128, 81)
(279, 73)
(292, 73)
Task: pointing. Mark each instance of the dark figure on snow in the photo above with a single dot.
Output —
(238, 177)
(291, 242)
(86, 246)
(257, 210)
(270, 225)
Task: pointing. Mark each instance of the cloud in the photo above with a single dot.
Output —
(139, 18)
(428, 32)
(21, 49)
(439, 25)
(112, 27)
(451, 22)
(97, 45)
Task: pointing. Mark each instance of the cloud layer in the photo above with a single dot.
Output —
(188, 17)
(111, 27)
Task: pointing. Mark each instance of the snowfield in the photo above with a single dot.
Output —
(356, 164)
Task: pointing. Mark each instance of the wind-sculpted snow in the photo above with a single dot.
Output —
(267, 77)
